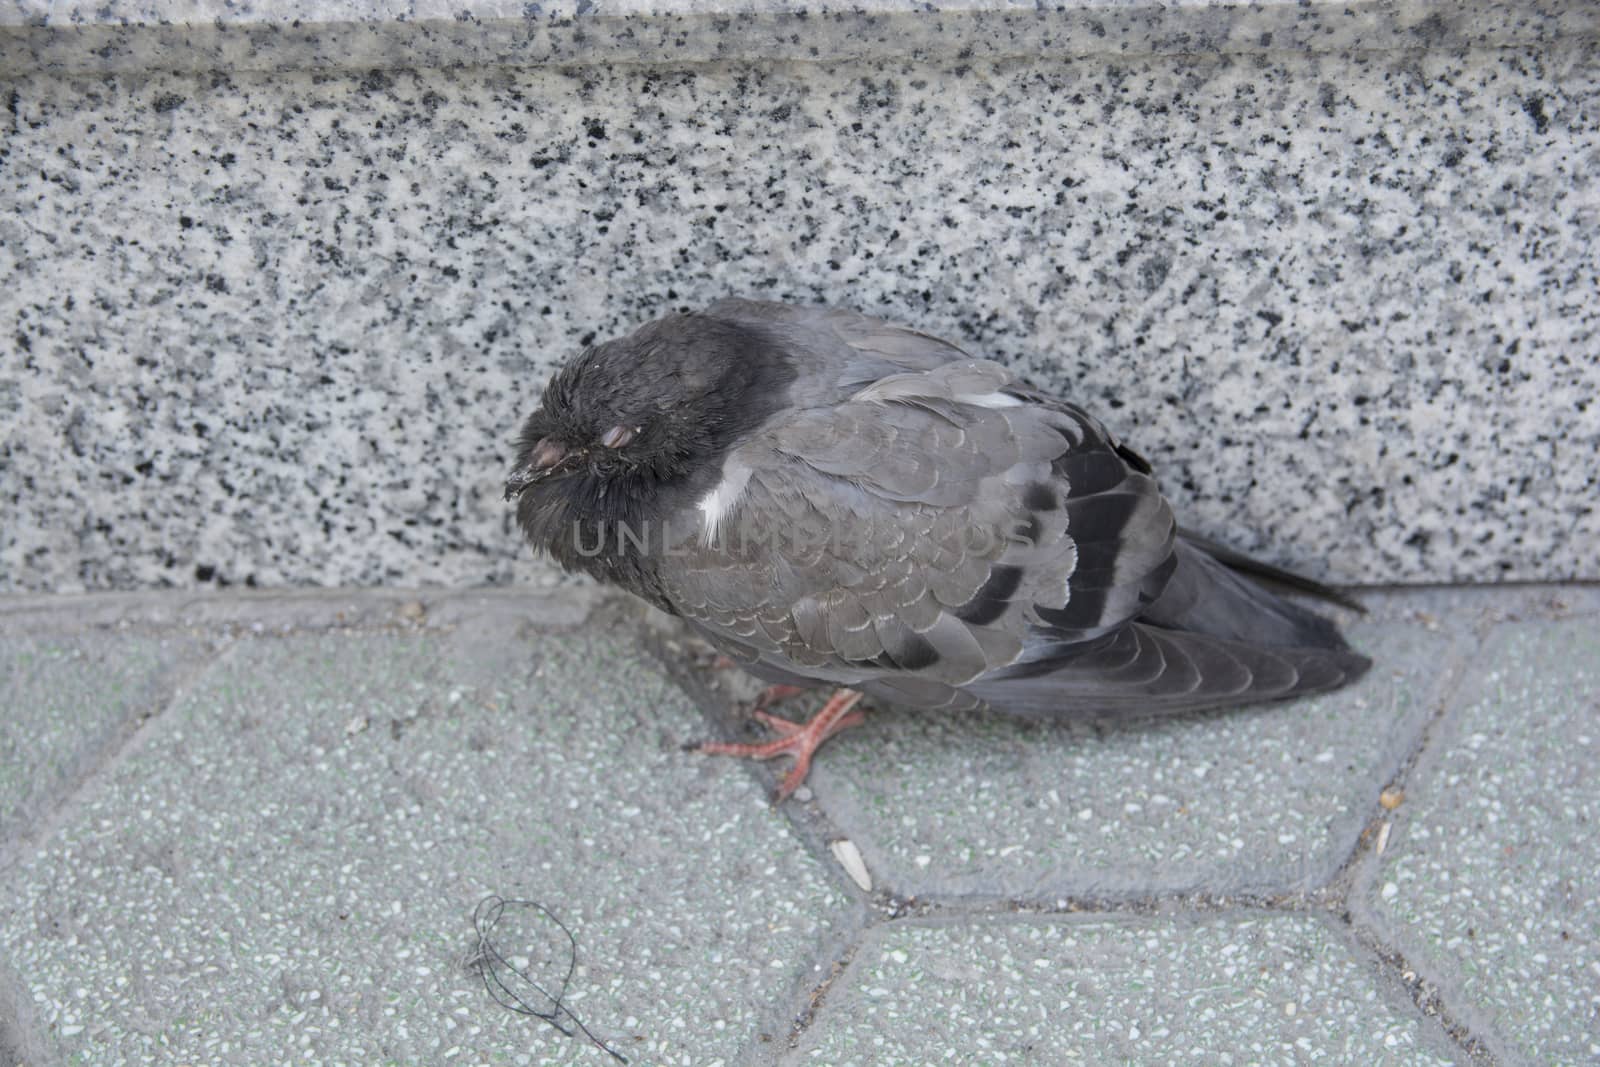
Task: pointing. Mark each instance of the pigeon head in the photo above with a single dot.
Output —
(634, 430)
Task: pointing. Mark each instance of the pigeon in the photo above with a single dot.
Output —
(829, 499)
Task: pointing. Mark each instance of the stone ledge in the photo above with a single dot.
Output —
(130, 35)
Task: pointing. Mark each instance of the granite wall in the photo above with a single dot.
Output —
(277, 327)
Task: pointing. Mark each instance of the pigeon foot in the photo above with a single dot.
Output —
(796, 740)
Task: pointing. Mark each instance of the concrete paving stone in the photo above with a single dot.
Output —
(287, 866)
(1266, 798)
(1473, 610)
(67, 700)
(1488, 882)
(1243, 988)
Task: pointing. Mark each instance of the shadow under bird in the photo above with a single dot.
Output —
(830, 499)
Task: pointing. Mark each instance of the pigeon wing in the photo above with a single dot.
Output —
(918, 536)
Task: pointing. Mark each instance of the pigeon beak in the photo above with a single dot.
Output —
(520, 479)
(546, 456)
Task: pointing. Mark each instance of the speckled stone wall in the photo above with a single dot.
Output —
(278, 328)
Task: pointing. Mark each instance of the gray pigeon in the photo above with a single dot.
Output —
(831, 499)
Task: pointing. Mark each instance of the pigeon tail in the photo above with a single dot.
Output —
(1145, 671)
(1213, 638)
(1210, 597)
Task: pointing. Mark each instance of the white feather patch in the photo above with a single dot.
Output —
(991, 400)
(717, 504)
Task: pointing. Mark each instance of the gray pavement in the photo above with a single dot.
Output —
(254, 829)
(1245, 987)
(71, 700)
(1489, 883)
(1268, 799)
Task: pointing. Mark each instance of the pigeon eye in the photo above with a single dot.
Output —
(618, 436)
(547, 454)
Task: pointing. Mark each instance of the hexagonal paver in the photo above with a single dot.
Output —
(1270, 797)
(67, 699)
(1239, 988)
(1488, 884)
(289, 864)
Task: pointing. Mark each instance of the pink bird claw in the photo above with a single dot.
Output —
(799, 741)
